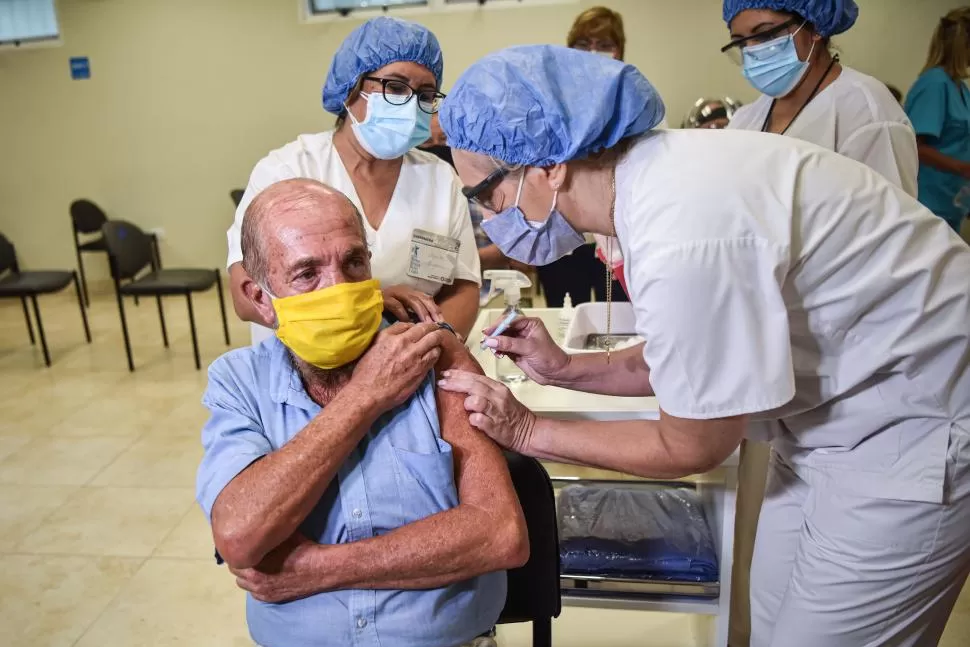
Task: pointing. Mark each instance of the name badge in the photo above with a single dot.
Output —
(433, 257)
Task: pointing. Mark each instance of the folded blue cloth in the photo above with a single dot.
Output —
(660, 534)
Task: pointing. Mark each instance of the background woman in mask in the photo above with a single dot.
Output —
(383, 86)
(783, 47)
(939, 105)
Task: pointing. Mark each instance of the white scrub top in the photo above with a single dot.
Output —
(773, 278)
(855, 116)
(427, 196)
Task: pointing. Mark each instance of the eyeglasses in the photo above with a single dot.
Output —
(472, 193)
(735, 49)
(398, 93)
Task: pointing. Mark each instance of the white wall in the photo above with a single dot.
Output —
(186, 95)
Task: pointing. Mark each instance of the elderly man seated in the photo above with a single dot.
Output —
(350, 497)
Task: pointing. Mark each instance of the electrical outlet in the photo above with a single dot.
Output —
(158, 232)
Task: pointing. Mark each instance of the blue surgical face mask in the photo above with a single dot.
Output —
(532, 243)
(389, 131)
(774, 68)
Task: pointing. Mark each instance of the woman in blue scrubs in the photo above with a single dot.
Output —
(938, 104)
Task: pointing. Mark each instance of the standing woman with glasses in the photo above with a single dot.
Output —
(783, 48)
(384, 85)
(939, 105)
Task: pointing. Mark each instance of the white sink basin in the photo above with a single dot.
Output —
(590, 319)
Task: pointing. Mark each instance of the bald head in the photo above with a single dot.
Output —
(296, 218)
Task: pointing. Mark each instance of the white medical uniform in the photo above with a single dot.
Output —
(855, 116)
(781, 281)
(427, 196)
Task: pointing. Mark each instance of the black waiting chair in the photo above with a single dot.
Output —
(236, 195)
(27, 285)
(87, 219)
(130, 251)
(534, 588)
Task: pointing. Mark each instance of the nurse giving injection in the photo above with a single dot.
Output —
(772, 280)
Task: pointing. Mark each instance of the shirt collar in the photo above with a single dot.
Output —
(285, 385)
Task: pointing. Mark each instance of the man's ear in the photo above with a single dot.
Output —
(261, 301)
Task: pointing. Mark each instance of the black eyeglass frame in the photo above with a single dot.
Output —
(496, 176)
(436, 102)
(762, 37)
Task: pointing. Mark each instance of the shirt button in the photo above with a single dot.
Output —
(358, 513)
(361, 623)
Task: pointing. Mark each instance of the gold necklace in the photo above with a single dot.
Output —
(609, 269)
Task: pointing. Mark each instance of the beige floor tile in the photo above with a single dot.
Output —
(113, 415)
(10, 444)
(61, 461)
(48, 601)
(24, 507)
(957, 632)
(154, 461)
(190, 539)
(578, 627)
(185, 420)
(124, 522)
(174, 603)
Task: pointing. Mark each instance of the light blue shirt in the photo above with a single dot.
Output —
(940, 111)
(401, 472)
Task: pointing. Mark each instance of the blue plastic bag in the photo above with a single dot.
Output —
(648, 533)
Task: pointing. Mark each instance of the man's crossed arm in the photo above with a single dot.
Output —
(486, 532)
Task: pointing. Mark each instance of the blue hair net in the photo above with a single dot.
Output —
(830, 17)
(543, 104)
(379, 42)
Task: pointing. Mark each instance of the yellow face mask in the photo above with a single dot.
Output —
(332, 327)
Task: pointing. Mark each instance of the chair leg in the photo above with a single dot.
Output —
(161, 319)
(542, 632)
(222, 307)
(84, 280)
(30, 329)
(80, 302)
(195, 339)
(40, 330)
(124, 328)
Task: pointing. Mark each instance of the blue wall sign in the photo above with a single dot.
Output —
(80, 67)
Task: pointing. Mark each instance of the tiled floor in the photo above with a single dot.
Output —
(101, 544)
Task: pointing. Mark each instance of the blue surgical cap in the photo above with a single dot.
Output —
(379, 42)
(543, 104)
(830, 17)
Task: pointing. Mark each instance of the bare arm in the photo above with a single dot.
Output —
(626, 373)
(491, 258)
(661, 449)
(486, 532)
(934, 158)
(459, 305)
(532, 348)
(266, 503)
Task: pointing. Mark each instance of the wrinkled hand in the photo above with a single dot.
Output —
(529, 345)
(493, 409)
(284, 575)
(398, 361)
(400, 299)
